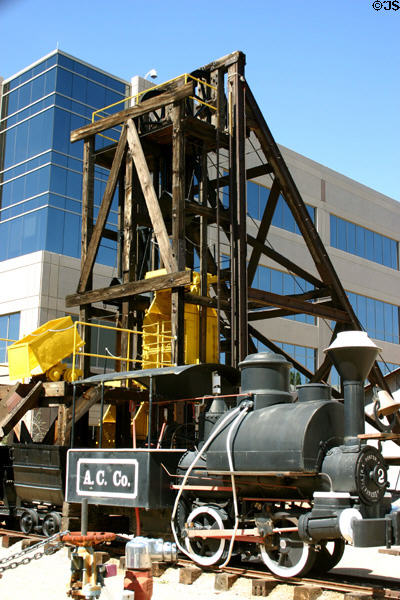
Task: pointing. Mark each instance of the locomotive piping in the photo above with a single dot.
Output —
(239, 418)
(191, 467)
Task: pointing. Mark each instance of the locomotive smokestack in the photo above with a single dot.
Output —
(353, 353)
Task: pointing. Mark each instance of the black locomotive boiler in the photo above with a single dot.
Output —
(294, 477)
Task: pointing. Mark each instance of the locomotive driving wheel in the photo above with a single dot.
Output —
(206, 551)
(284, 553)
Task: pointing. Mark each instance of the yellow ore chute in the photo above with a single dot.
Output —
(37, 352)
(157, 339)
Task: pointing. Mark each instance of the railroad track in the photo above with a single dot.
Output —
(343, 584)
(11, 533)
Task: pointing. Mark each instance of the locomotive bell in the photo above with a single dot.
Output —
(386, 404)
(267, 376)
(353, 353)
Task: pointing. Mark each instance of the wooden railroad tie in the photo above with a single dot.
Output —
(394, 551)
(9, 540)
(262, 587)
(306, 592)
(158, 568)
(188, 575)
(224, 581)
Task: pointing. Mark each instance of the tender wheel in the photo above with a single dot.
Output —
(287, 555)
(28, 520)
(51, 524)
(206, 551)
(328, 555)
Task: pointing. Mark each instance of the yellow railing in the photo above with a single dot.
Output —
(161, 339)
(157, 343)
(186, 77)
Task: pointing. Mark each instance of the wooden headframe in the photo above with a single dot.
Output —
(178, 154)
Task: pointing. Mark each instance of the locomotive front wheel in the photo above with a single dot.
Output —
(51, 524)
(328, 555)
(28, 520)
(288, 555)
(206, 551)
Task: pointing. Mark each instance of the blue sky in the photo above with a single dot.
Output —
(326, 74)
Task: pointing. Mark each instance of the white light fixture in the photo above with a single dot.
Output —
(152, 73)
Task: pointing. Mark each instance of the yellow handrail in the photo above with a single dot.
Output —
(185, 76)
(161, 337)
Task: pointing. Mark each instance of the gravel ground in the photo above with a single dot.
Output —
(47, 579)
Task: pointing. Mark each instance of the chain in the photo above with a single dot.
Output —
(13, 561)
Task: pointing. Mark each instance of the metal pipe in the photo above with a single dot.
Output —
(354, 419)
(73, 416)
(84, 516)
(101, 415)
(150, 412)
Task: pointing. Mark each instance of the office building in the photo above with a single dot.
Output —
(40, 213)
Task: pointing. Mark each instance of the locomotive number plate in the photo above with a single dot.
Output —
(107, 477)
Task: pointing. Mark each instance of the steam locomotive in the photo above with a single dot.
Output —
(291, 481)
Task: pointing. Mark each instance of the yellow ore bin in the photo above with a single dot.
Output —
(157, 328)
(35, 353)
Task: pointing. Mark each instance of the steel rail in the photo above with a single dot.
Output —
(375, 590)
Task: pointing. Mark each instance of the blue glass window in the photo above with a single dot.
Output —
(368, 244)
(302, 354)
(257, 197)
(387, 367)
(42, 169)
(277, 282)
(9, 330)
(379, 319)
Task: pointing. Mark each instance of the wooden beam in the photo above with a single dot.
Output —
(223, 62)
(263, 229)
(21, 405)
(83, 404)
(280, 312)
(206, 301)
(205, 132)
(285, 262)
(203, 194)
(251, 173)
(134, 111)
(103, 213)
(288, 302)
(296, 204)
(178, 233)
(153, 207)
(206, 211)
(124, 290)
(85, 312)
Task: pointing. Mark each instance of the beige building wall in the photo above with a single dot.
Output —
(332, 193)
(36, 284)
